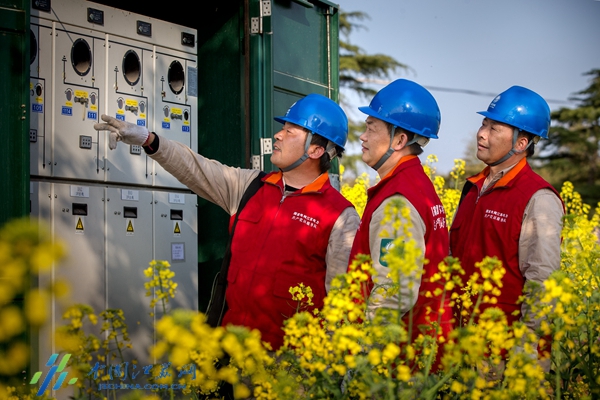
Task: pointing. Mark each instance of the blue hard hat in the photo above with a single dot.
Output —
(408, 105)
(521, 108)
(319, 115)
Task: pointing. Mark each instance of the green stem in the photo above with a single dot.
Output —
(476, 307)
(432, 392)
(391, 384)
(160, 289)
(439, 321)
(117, 341)
(555, 348)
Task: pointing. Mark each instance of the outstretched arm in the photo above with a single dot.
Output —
(209, 179)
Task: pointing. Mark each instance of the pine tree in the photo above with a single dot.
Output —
(357, 70)
(572, 151)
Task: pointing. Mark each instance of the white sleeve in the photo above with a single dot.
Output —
(382, 234)
(539, 243)
(340, 244)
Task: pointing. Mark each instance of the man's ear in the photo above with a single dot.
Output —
(399, 141)
(521, 143)
(315, 152)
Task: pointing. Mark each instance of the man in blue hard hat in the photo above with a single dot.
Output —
(297, 228)
(507, 210)
(401, 119)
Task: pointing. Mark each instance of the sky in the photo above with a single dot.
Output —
(484, 46)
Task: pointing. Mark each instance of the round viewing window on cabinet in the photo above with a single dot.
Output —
(81, 57)
(33, 47)
(176, 77)
(132, 68)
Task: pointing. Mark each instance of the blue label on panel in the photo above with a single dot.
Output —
(166, 125)
(141, 122)
(38, 108)
(120, 117)
(92, 115)
(185, 128)
(67, 111)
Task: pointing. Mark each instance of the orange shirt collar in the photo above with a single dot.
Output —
(274, 178)
(314, 186)
(317, 184)
(509, 176)
(402, 160)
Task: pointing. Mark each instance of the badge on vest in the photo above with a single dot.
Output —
(386, 245)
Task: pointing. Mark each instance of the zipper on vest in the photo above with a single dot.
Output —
(479, 194)
(282, 199)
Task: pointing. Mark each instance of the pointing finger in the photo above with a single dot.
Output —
(105, 127)
(112, 140)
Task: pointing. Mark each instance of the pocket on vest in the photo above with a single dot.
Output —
(247, 232)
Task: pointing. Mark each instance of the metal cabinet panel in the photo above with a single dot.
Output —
(40, 100)
(41, 212)
(79, 79)
(78, 220)
(129, 252)
(129, 95)
(75, 214)
(176, 106)
(176, 242)
(111, 62)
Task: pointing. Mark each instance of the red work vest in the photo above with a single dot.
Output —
(279, 242)
(490, 225)
(409, 180)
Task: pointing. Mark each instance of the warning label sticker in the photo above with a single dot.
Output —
(130, 229)
(176, 229)
(79, 229)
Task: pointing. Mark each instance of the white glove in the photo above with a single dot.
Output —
(122, 131)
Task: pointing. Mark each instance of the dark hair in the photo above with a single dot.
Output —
(415, 148)
(325, 160)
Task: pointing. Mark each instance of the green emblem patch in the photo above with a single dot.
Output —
(386, 245)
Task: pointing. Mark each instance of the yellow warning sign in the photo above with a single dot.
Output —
(177, 230)
(79, 226)
(130, 227)
(81, 93)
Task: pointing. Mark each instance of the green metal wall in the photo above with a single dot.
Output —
(14, 105)
(305, 53)
(14, 118)
(297, 55)
(245, 79)
(221, 127)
